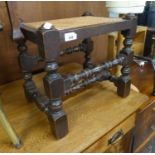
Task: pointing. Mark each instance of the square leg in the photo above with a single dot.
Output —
(59, 123)
(124, 83)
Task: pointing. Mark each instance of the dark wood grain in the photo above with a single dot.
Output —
(8, 54)
(145, 124)
(142, 78)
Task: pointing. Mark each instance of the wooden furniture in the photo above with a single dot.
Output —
(5, 122)
(116, 43)
(145, 121)
(144, 133)
(12, 11)
(147, 55)
(98, 118)
(49, 36)
(138, 40)
(141, 43)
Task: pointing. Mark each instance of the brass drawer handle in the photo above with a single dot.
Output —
(116, 137)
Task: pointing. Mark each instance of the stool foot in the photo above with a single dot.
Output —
(59, 124)
(123, 88)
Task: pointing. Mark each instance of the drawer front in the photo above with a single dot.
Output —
(122, 146)
(113, 137)
(145, 125)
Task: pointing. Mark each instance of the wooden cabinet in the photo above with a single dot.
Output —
(145, 126)
(111, 141)
(122, 146)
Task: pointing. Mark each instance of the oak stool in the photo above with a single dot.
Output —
(49, 36)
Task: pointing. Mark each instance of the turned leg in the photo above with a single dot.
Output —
(54, 88)
(27, 62)
(88, 48)
(124, 81)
